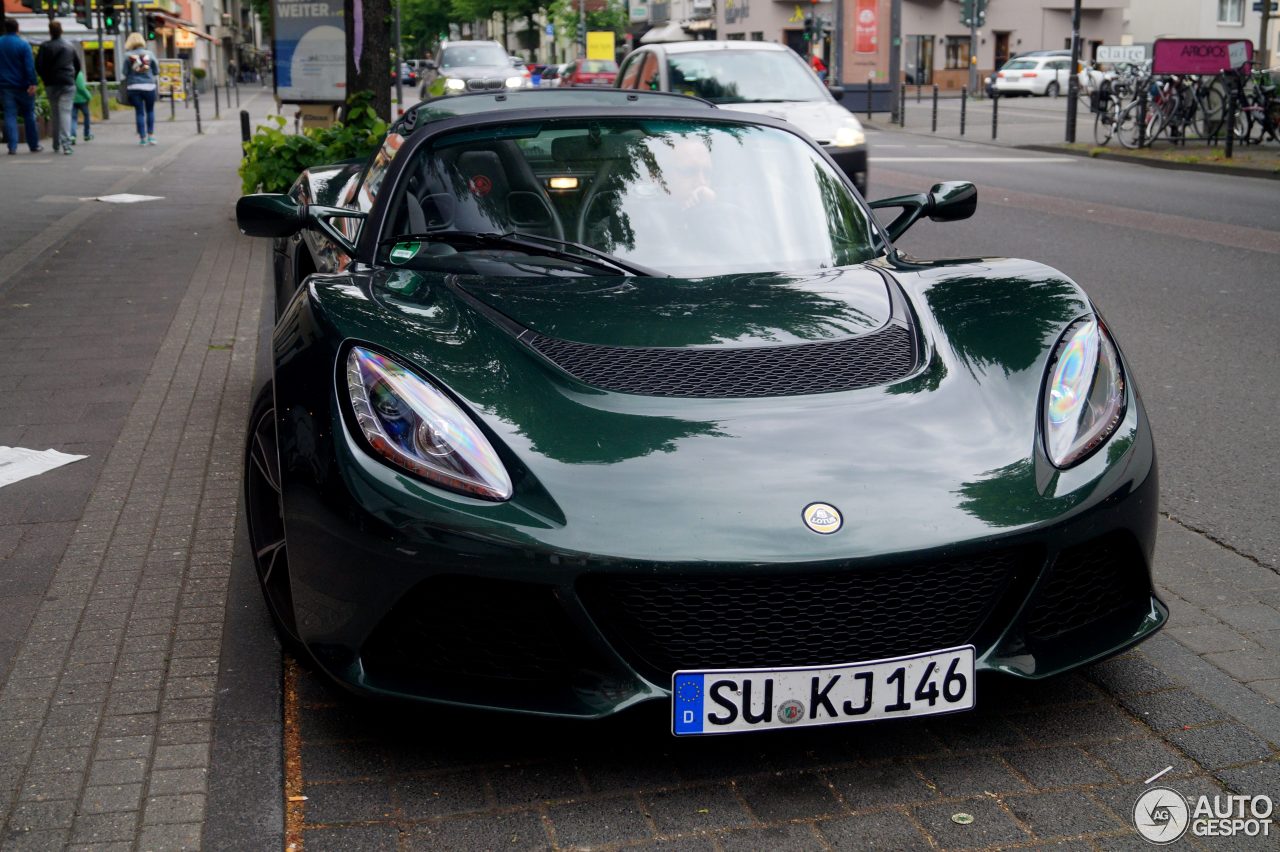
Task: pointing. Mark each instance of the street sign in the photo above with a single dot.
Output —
(600, 45)
(170, 81)
(1237, 53)
(1275, 6)
(551, 29)
(1112, 53)
(1197, 55)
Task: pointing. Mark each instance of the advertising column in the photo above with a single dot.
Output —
(866, 49)
(310, 52)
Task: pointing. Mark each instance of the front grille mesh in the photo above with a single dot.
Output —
(874, 359)
(669, 623)
(479, 84)
(1087, 583)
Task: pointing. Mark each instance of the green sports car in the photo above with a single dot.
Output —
(583, 399)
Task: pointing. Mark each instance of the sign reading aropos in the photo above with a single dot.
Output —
(310, 51)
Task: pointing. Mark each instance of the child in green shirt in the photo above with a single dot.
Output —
(80, 105)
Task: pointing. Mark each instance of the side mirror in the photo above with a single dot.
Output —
(949, 201)
(837, 92)
(269, 214)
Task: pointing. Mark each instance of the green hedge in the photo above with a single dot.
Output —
(274, 159)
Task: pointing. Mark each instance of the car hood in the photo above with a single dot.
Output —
(948, 453)
(728, 311)
(819, 119)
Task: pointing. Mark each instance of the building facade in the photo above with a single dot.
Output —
(1225, 19)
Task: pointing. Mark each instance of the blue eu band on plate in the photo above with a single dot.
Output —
(724, 701)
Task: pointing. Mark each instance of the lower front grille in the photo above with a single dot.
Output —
(668, 623)
(1088, 583)
(475, 628)
(478, 84)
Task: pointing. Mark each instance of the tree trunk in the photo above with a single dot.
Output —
(374, 72)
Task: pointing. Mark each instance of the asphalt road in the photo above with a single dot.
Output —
(1184, 267)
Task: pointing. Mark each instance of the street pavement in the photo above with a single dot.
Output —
(144, 703)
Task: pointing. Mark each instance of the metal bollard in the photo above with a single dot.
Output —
(935, 107)
(237, 94)
(173, 105)
(1231, 124)
(964, 102)
(195, 97)
(918, 88)
(995, 113)
(902, 106)
(244, 130)
(868, 98)
(1142, 117)
(217, 108)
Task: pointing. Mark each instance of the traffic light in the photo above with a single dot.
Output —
(970, 8)
(582, 32)
(809, 27)
(151, 22)
(84, 13)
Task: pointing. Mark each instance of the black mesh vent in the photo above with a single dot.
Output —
(475, 628)
(796, 619)
(862, 362)
(1087, 583)
(478, 84)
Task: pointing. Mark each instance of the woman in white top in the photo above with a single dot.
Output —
(141, 73)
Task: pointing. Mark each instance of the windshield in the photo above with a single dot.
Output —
(683, 197)
(743, 76)
(462, 55)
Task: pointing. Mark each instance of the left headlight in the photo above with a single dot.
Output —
(849, 135)
(414, 426)
(1084, 395)
(515, 82)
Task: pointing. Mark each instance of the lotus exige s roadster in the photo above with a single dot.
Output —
(586, 399)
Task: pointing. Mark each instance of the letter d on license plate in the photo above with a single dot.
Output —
(725, 701)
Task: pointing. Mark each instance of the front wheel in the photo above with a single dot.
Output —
(1051, 90)
(264, 511)
(1126, 129)
(1104, 125)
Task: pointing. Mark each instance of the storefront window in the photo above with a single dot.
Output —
(957, 52)
(917, 62)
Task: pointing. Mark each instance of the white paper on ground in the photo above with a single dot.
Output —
(128, 198)
(19, 463)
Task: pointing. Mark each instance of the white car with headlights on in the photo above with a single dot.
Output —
(471, 66)
(757, 77)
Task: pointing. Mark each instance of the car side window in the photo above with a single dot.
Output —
(631, 71)
(649, 78)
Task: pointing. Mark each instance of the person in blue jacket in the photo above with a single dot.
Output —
(141, 75)
(18, 87)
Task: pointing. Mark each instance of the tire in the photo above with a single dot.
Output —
(1051, 90)
(1126, 130)
(1104, 125)
(264, 512)
(1211, 114)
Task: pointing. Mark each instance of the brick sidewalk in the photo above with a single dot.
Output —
(138, 328)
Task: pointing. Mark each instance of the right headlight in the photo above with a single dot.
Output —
(1084, 394)
(411, 424)
(455, 84)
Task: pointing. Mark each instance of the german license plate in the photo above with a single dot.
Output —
(727, 701)
(1013, 78)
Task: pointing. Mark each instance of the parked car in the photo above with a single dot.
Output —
(477, 66)
(753, 76)
(408, 76)
(1034, 74)
(590, 72)
(607, 397)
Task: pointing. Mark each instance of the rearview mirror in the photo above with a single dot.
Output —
(269, 214)
(949, 201)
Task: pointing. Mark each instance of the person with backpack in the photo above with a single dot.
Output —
(80, 106)
(58, 63)
(141, 74)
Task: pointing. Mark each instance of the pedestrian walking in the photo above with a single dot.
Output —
(58, 64)
(141, 73)
(18, 87)
(80, 106)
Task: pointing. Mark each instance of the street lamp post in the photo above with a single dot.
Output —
(1073, 79)
(399, 61)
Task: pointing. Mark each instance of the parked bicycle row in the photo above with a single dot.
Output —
(1139, 109)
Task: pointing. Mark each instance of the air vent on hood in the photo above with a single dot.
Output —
(859, 362)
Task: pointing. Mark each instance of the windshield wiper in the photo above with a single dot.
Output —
(534, 243)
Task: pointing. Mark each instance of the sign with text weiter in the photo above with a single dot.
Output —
(310, 51)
